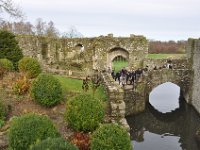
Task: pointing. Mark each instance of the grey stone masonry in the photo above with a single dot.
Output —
(116, 98)
(193, 50)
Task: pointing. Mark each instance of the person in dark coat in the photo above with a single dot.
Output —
(113, 74)
(117, 76)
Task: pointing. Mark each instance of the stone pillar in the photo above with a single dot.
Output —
(193, 54)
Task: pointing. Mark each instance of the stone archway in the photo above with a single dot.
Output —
(116, 52)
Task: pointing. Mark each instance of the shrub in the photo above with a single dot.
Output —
(53, 144)
(110, 136)
(21, 86)
(46, 90)
(9, 47)
(30, 67)
(6, 64)
(84, 112)
(27, 129)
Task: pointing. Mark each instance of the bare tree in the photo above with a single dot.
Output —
(51, 31)
(9, 7)
(5, 25)
(73, 33)
(40, 26)
(22, 28)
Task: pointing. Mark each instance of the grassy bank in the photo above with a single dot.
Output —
(72, 87)
(118, 65)
(166, 56)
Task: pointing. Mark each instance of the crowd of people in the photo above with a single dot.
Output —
(127, 77)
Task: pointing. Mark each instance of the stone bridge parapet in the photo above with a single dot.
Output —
(116, 99)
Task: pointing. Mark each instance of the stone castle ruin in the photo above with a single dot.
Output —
(87, 54)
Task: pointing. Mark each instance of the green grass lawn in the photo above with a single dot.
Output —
(166, 56)
(118, 65)
(72, 87)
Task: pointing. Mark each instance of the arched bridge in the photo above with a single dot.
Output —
(137, 96)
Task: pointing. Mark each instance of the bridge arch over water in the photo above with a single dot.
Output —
(179, 77)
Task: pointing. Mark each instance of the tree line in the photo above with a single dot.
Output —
(41, 28)
(167, 47)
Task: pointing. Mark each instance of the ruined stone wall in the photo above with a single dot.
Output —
(193, 51)
(61, 53)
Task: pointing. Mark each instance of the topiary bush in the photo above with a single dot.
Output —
(9, 47)
(110, 136)
(26, 130)
(84, 112)
(6, 64)
(46, 90)
(30, 67)
(53, 144)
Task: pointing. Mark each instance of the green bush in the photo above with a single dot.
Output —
(46, 90)
(110, 137)
(30, 67)
(6, 64)
(9, 47)
(26, 130)
(53, 144)
(84, 112)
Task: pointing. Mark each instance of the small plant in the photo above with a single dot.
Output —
(46, 90)
(5, 66)
(84, 113)
(27, 129)
(1, 123)
(21, 86)
(30, 67)
(3, 110)
(81, 140)
(53, 144)
(110, 136)
(95, 83)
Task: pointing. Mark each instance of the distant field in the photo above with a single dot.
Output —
(74, 86)
(166, 56)
(118, 65)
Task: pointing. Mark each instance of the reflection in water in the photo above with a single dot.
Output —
(152, 130)
(163, 99)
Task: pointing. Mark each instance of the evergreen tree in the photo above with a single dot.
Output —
(9, 47)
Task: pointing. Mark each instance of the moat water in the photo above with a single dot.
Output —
(168, 122)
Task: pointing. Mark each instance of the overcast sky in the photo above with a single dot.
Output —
(155, 19)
